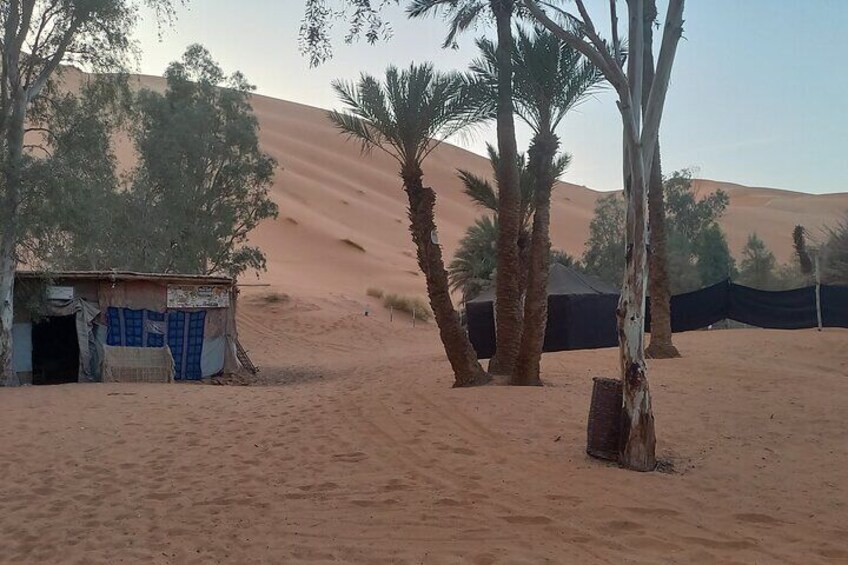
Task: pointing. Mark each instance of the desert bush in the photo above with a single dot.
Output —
(409, 304)
(276, 298)
(374, 292)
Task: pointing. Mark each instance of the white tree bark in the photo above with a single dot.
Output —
(640, 141)
(7, 285)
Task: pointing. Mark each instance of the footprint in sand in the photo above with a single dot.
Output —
(831, 553)
(623, 526)
(720, 544)
(755, 518)
(354, 457)
(319, 487)
(528, 520)
(395, 485)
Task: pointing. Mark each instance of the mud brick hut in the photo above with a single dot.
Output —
(63, 323)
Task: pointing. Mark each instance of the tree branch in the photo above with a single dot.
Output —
(53, 63)
(636, 55)
(601, 59)
(656, 100)
(616, 42)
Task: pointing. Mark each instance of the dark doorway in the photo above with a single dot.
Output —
(55, 351)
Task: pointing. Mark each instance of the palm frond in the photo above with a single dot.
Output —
(407, 114)
(561, 164)
(473, 267)
(551, 78)
(479, 190)
(460, 15)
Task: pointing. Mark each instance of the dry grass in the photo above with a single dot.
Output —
(276, 298)
(374, 292)
(409, 304)
(351, 243)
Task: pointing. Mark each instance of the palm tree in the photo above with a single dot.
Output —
(407, 116)
(472, 257)
(473, 267)
(659, 279)
(482, 193)
(550, 79)
(463, 14)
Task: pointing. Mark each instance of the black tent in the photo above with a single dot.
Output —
(581, 314)
(581, 311)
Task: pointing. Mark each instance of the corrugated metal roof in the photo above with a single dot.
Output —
(114, 276)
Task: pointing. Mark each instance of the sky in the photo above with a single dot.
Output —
(757, 94)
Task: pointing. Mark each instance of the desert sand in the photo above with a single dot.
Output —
(366, 455)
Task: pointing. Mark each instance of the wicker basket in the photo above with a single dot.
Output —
(604, 430)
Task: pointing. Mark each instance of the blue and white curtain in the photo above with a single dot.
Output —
(182, 331)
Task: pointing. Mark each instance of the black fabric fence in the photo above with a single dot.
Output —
(588, 321)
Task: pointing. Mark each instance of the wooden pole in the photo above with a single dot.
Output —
(818, 292)
(413, 317)
(391, 313)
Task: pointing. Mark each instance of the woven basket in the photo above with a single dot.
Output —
(604, 431)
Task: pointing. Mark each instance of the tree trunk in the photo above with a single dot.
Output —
(422, 202)
(638, 444)
(527, 369)
(638, 439)
(12, 177)
(508, 308)
(7, 287)
(659, 285)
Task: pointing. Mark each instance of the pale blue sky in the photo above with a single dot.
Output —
(757, 96)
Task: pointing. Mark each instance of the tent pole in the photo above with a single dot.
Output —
(818, 292)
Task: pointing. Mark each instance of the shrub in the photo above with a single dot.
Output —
(409, 304)
(276, 298)
(375, 292)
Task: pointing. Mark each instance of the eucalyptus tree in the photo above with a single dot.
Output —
(641, 114)
(407, 115)
(38, 36)
(551, 78)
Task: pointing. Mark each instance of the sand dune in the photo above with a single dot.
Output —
(328, 191)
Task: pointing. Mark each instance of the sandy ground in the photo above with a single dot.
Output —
(364, 454)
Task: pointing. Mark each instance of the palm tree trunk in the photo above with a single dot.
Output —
(422, 202)
(659, 285)
(508, 308)
(527, 369)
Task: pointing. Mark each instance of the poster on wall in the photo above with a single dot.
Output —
(198, 296)
(60, 292)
